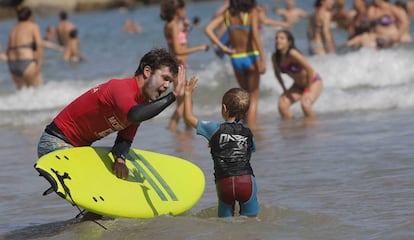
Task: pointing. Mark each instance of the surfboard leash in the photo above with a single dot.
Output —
(61, 179)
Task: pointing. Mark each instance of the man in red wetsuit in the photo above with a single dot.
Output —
(119, 105)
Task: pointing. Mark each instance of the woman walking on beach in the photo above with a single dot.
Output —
(247, 55)
(175, 32)
(25, 51)
(307, 84)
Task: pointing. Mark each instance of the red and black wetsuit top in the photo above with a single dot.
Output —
(101, 111)
(231, 150)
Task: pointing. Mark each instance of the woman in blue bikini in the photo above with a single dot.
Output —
(307, 84)
(25, 51)
(247, 55)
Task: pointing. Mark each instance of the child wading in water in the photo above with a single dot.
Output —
(231, 146)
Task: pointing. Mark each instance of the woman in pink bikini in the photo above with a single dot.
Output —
(307, 84)
(175, 32)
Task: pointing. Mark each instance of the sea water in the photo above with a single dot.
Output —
(348, 174)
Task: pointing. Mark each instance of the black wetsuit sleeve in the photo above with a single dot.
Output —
(145, 111)
(121, 147)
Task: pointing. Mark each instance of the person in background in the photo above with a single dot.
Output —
(388, 23)
(360, 23)
(319, 34)
(63, 28)
(410, 7)
(173, 12)
(292, 14)
(50, 38)
(3, 56)
(362, 40)
(223, 34)
(231, 146)
(131, 27)
(406, 35)
(247, 54)
(341, 16)
(71, 52)
(196, 22)
(307, 84)
(25, 50)
(265, 20)
(221, 30)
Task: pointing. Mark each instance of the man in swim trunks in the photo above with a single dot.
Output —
(119, 105)
(231, 146)
(25, 51)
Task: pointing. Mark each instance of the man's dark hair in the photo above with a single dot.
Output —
(157, 58)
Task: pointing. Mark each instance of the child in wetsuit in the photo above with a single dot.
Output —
(231, 145)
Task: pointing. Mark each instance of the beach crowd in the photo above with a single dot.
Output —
(375, 24)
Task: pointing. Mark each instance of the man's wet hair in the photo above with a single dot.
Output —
(156, 59)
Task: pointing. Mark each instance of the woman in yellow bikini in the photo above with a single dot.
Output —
(247, 55)
(307, 84)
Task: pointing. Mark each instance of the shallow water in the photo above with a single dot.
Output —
(346, 175)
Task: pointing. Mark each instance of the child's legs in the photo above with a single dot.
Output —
(237, 188)
(225, 210)
(226, 197)
(246, 191)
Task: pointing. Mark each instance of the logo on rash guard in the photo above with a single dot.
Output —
(114, 123)
(226, 138)
(115, 126)
(104, 133)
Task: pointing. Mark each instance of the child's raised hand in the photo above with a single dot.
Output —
(191, 84)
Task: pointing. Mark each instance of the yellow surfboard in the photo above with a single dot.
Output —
(158, 184)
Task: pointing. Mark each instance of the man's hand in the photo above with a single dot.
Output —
(179, 83)
(120, 169)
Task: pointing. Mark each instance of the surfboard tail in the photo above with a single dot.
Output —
(49, 178)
